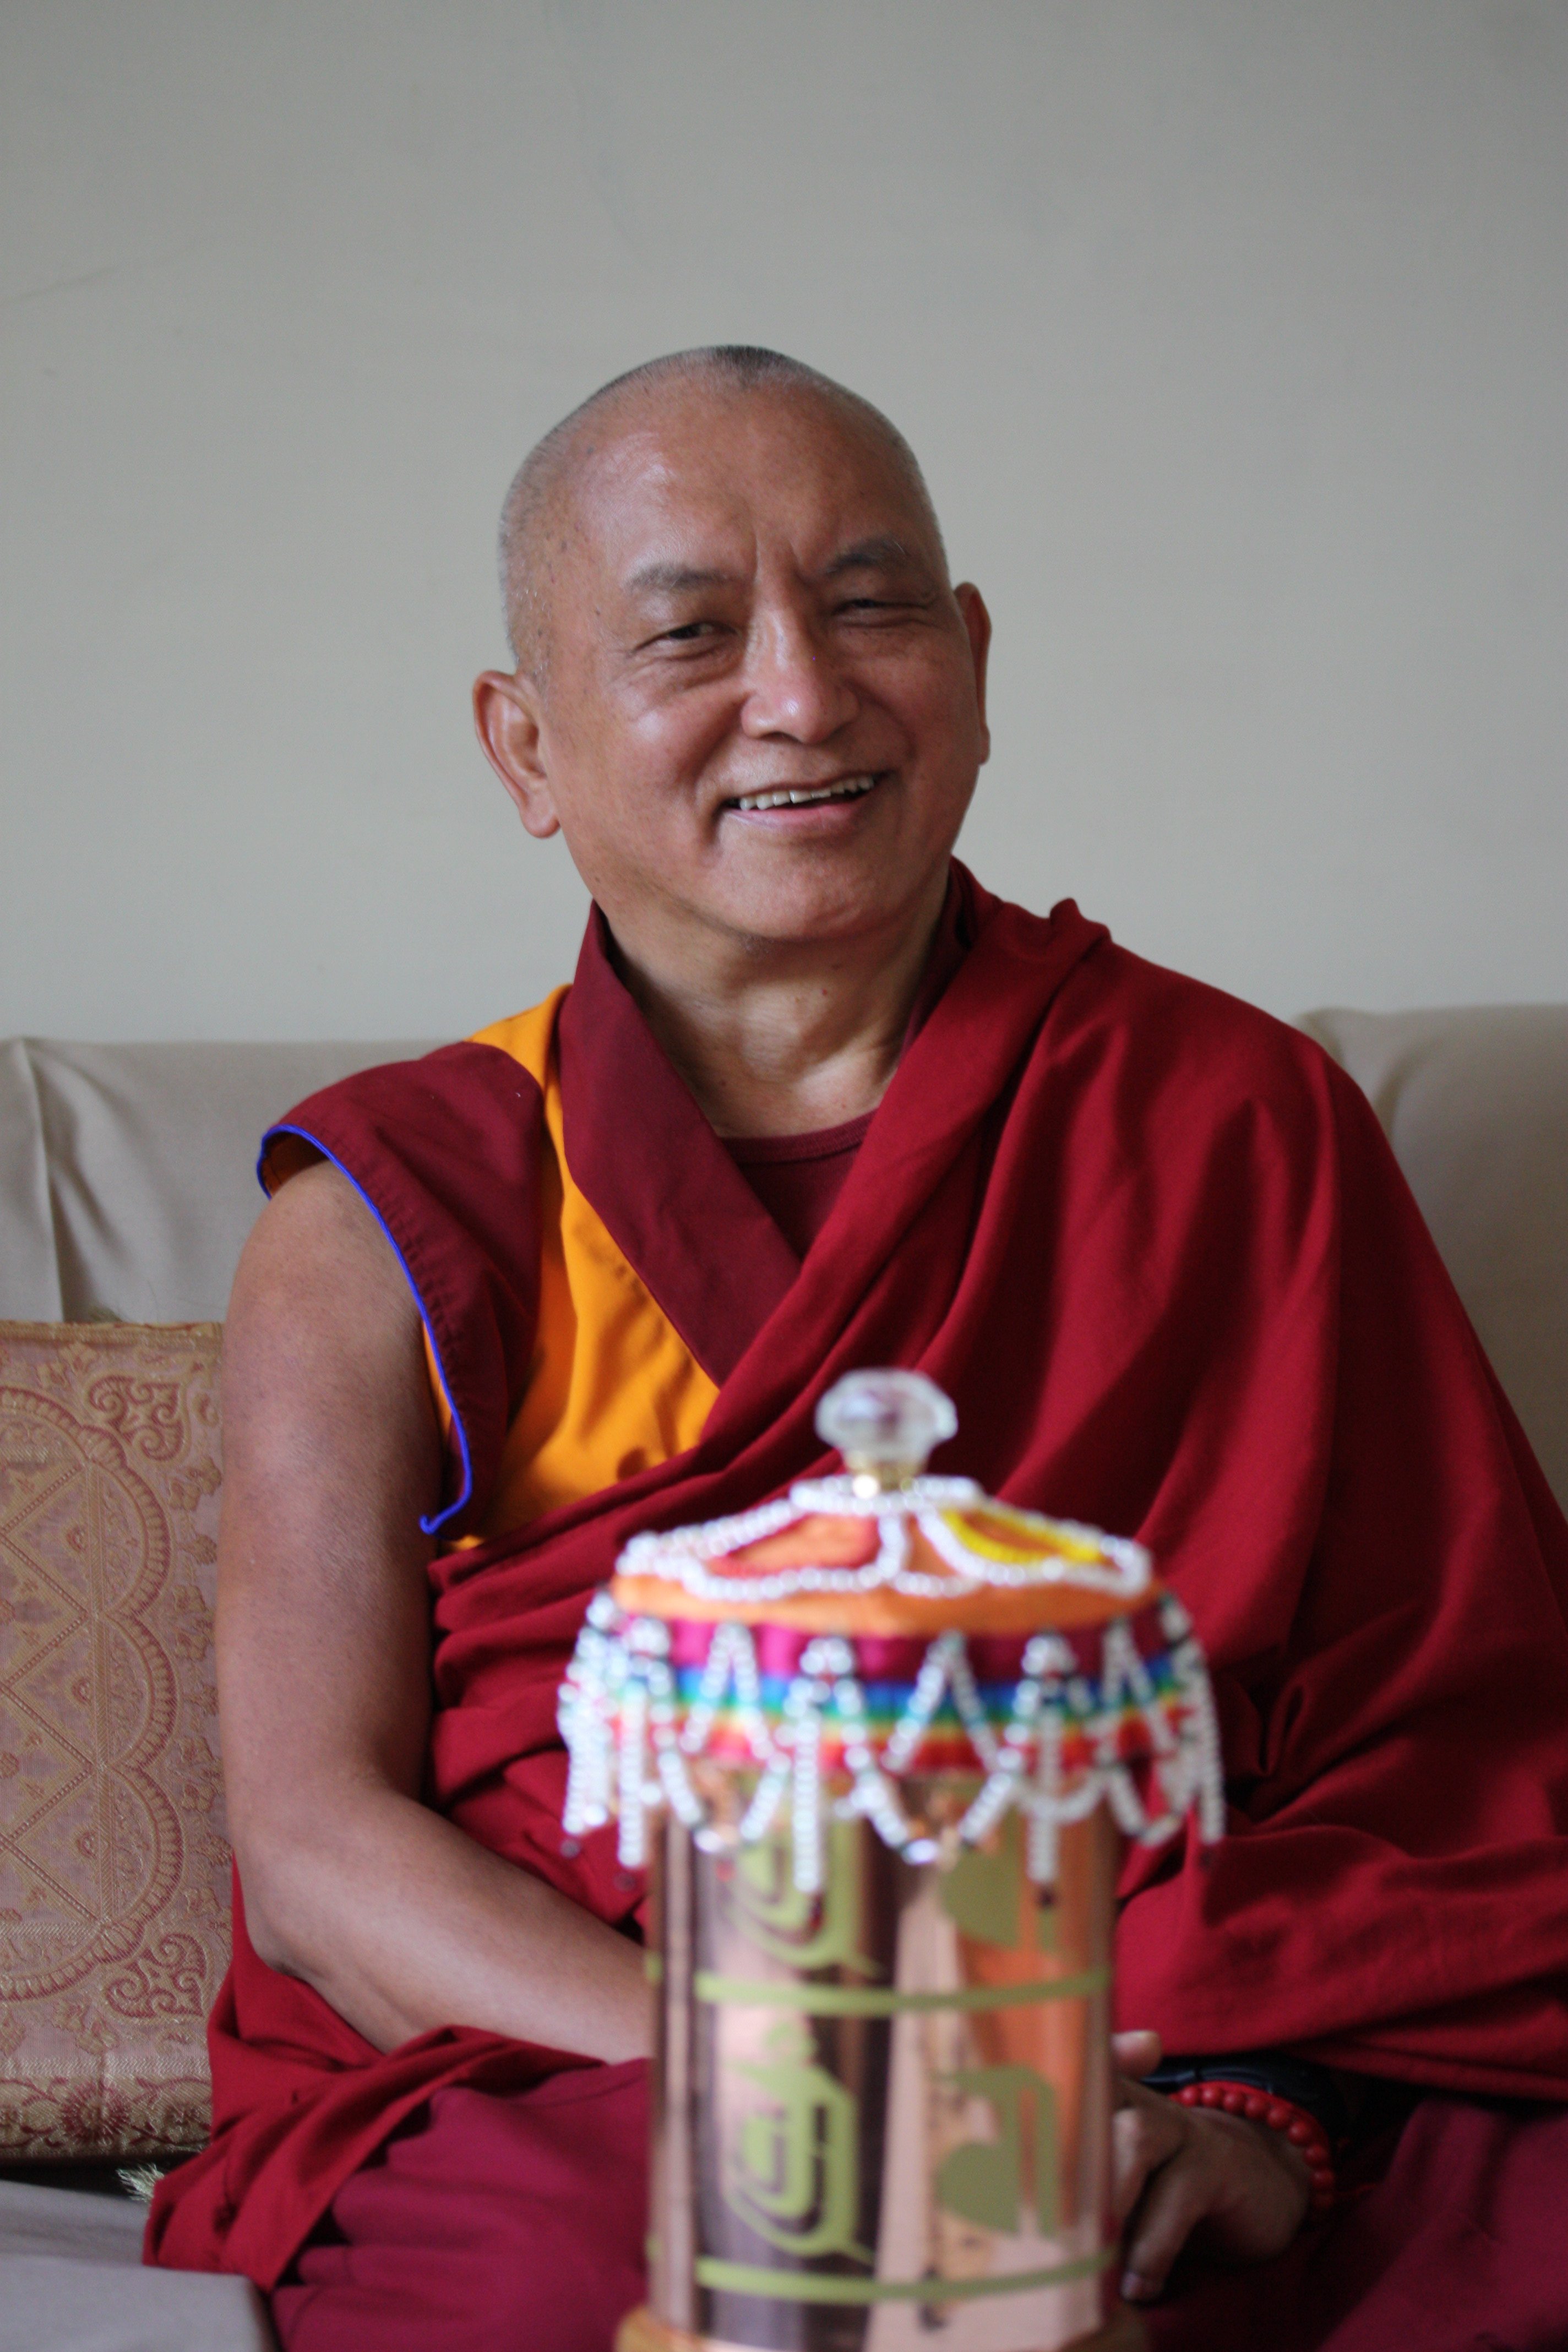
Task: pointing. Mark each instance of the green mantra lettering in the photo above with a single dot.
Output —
(983, 1895)
(983, 2181)
(793, 2173)
(761, 1899)
(841, 2287)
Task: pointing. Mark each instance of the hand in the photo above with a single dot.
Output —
(1179, 2168)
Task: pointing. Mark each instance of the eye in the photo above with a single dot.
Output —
(688, 632)
(875, 608)
(889, 595)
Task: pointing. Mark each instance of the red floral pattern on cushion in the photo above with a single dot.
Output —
(115, 1925)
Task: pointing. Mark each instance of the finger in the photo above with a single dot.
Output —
(1146, 2133)
(1174, 2204)
(1137, 2053)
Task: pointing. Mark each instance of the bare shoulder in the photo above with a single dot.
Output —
(317, 1230)
(319, 1308)
(332, 1453)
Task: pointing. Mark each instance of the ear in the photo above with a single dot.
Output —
(508, 721)
(977, 622)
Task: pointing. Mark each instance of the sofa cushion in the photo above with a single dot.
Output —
(1474, 1102)
(29, 1277)
(113, 1858)
(127, 1183)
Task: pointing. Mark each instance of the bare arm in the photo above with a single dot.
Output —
(396, 1917)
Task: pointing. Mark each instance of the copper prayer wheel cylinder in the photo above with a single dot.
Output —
(879, 1744)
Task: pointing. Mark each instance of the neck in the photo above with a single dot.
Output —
(792, 1037)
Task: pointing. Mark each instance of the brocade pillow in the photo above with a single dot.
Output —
(114, 1891)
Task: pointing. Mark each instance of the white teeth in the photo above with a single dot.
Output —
(850, 789)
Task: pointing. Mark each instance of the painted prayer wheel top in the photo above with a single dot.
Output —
(838, 1647)
(884, 1549)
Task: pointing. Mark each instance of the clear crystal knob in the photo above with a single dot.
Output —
(885, 1424)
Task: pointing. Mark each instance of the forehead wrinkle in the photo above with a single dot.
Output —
(882, 552)
(670, 579)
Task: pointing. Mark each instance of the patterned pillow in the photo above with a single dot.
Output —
(113, 1861)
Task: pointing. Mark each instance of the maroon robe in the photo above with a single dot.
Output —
(1154, 1245)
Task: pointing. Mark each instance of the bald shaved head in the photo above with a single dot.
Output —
(537, 516)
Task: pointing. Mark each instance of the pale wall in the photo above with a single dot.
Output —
(1233, 337)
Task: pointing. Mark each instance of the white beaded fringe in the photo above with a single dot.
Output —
(629, 1748)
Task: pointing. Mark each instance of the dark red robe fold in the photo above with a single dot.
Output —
(1155, 1247)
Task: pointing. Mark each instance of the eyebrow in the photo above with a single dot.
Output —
(885, 552)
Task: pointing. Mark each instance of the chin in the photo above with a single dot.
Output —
(819, 904)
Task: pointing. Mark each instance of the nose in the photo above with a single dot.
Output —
(794, 685)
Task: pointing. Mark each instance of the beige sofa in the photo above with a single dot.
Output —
(125, 1194)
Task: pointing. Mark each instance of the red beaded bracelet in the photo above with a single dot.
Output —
(1301, 2129)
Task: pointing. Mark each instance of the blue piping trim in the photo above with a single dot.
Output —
(438, 1519)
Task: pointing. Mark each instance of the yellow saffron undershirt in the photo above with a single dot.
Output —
(612, 1387)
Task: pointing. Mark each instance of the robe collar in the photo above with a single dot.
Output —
(667, 1190)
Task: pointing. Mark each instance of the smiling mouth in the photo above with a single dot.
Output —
(848, 788)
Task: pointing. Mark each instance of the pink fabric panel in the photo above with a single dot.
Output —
(511, 2224)
(515, 2224)
(1459, 2247)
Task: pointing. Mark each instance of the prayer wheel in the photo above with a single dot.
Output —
(877, 1743)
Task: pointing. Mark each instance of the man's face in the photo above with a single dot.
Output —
(747, 603)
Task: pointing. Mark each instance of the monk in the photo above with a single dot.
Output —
(815, 1098)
